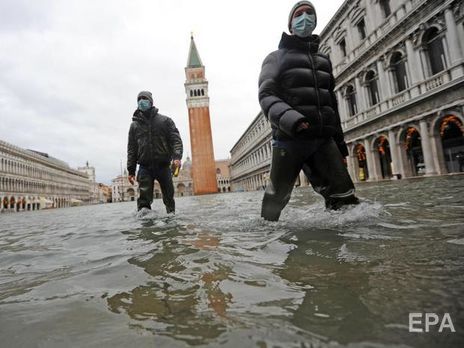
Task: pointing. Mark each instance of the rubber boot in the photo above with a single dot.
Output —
(145, 192)
(164, 178)
(284, 171)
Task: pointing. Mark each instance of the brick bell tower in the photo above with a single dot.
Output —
(201, 140)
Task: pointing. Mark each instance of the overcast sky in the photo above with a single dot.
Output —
(70, 70)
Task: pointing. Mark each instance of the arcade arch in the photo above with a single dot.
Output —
(383, 157)
(411, 154)
(448, 135)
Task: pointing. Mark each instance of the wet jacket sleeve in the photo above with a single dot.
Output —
(338, 137)
(277, 111)
(132, 150)
(175, 140)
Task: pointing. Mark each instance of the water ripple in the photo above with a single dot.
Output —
(216, 274)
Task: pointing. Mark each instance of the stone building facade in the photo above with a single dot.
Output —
(399, 71)
(105, 193)
(96, 188)
(31, 180)
(183, 183)
(122, 190)
(223, 176)
(250, 157)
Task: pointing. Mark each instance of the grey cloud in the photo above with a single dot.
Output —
(18, 15)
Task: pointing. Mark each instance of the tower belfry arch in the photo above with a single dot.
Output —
(201, 139)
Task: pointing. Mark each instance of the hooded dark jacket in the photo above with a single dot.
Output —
(153, 139)
(296, 85)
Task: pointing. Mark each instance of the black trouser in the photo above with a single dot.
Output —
(146, 177)
(321, 162)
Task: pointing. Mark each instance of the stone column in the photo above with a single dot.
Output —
(437, 154)
(341, 106)
(453, 38)
(414, 64)
(376, 164)
(391, 81)
(384, 85)
(454, 45)
(427, 149)
(461, 34)
(352, 168)
(362, 104)
(394, 153)
(371, 167)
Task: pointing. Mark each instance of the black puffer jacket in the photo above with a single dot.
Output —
(153, 138)
(296, 85)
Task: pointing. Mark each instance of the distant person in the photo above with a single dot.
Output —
(296, 93)
(154, 142)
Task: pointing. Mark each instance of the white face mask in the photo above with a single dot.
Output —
(304, 25)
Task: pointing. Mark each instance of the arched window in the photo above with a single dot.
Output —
(372, 89)
(351, 100)
(342, 46)
(202, 92)
(361, 25)
(191, 93)
(434, 50)
(398, 67)
(385, 6)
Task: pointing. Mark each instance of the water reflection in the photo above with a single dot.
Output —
(335, 280)
(172, 303)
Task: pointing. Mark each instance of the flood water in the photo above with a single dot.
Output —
(217, 275)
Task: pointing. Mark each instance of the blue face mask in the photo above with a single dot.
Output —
(144, 104)
(304, 25)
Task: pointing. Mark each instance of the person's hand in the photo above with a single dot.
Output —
(131, 179)
(175, 167)
(301, 126)
(345, 162)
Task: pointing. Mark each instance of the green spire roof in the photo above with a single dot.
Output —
(194, 60)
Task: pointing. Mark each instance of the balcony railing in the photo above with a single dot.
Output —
(435, 82)
(412, 93)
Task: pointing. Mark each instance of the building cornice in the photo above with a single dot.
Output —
(245, 133)
(32, 156)
(395, 32)
(336, 17)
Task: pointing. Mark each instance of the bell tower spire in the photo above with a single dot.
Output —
(201, 139)
(194, 60)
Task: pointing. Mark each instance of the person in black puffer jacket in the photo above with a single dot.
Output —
(296, 94)
(154, 142)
